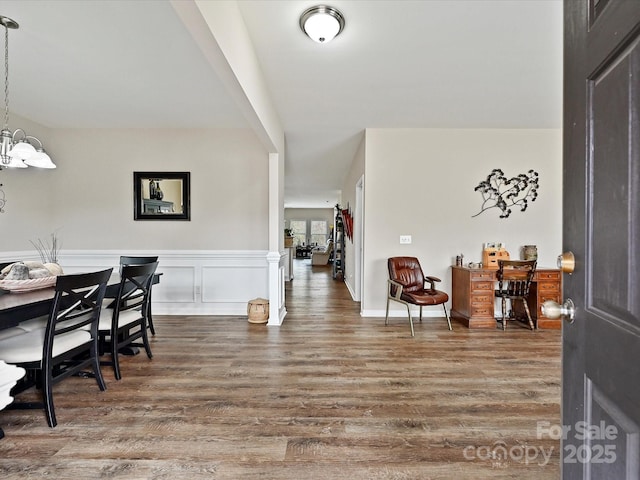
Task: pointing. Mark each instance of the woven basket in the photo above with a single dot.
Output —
(18, 286)
(258, 310)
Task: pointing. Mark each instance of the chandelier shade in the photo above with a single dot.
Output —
(40, 159)
(22, 150)
(322, 23)
(14, 152)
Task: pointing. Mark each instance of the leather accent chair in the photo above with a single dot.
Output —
(408, 285)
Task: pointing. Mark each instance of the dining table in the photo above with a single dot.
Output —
(18, 307)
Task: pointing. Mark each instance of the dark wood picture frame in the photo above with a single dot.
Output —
(162, 196)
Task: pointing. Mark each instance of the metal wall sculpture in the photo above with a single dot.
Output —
(501, 192)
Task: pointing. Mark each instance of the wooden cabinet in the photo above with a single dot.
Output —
(473, 300)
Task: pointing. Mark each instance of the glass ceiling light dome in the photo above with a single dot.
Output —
(321, 23)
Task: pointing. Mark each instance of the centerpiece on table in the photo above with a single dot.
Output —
(25, 276)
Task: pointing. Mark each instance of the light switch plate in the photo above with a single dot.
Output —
(405, 239)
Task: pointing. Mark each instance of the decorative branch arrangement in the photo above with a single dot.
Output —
(501, 192)
(48, 251)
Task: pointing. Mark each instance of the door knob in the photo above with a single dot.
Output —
(567, 262)
(551, 309)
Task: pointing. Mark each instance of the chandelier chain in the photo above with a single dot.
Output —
(6, 77)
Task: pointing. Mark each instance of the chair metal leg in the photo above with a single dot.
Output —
(386, 317)
(410, 320)
(420, 313)
(447, 316)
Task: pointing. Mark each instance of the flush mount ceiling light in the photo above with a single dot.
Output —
(17, 149)
(321, 23)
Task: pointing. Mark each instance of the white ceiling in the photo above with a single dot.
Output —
(398, 63)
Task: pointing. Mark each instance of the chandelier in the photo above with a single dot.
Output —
(17, 149)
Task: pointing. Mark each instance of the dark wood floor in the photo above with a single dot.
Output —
(328, 395)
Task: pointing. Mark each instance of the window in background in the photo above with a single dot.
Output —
(318, 232)
(299, 229)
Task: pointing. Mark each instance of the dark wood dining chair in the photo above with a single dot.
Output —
(126, 323)
(138, 260)
(66, 346)
(408, 285)
(514, 282)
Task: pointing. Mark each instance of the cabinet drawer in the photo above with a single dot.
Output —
(544, 275)
(482, 311)
(478, 300)
(548, 296)
(545, 287)
(481, 275)
(482, 286)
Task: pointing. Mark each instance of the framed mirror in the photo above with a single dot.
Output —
(161, 196)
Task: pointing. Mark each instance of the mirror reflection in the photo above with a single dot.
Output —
(161, 195)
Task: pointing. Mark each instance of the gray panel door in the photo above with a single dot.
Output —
(601, 211)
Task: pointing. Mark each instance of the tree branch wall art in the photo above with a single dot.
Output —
(501, 192)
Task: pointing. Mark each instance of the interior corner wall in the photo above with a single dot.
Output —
(88, 199)
(356, 171)
(421, 182)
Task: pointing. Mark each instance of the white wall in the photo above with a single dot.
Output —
(420, 182)
(88, 199)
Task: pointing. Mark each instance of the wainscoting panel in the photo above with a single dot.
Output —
(192, 282)
(177, 285)
(233, 284)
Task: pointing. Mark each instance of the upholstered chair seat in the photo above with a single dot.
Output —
(28, 346)
(34, 323)
(125, 318)
(11, 332)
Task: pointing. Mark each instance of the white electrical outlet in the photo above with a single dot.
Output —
(405, 239)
